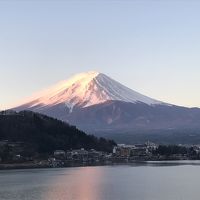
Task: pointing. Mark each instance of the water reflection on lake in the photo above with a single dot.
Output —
(150, 181)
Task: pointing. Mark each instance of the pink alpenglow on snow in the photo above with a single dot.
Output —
(87, 89)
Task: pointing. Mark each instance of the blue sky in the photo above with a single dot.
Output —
(152, 47)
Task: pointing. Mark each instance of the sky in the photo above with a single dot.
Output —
(152, 47)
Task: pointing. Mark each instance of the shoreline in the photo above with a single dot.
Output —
(17, 166)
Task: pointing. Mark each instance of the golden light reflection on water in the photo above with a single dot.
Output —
(82, 184)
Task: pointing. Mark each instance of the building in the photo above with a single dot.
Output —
(123, 150)
(79, 154)
(127, 151)
(59, 154)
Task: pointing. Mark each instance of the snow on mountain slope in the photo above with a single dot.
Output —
(88, 89)
(116, 91)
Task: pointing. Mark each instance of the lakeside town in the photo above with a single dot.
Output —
(15, 155)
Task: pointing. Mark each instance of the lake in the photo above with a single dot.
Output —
(150, 181)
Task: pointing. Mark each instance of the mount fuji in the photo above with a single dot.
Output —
(87, 89)
(100, 105)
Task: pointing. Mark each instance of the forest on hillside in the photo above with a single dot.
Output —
(45, 134)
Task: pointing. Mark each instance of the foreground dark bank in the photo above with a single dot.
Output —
(32, 136)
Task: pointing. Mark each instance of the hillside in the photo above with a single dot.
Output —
(45, 134)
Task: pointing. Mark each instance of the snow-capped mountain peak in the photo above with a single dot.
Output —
(97, 104)
(87, 89)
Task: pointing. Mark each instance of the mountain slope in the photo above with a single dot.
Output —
(46, 134)
(113, 116)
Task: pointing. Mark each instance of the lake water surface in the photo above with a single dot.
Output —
(152, 181)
